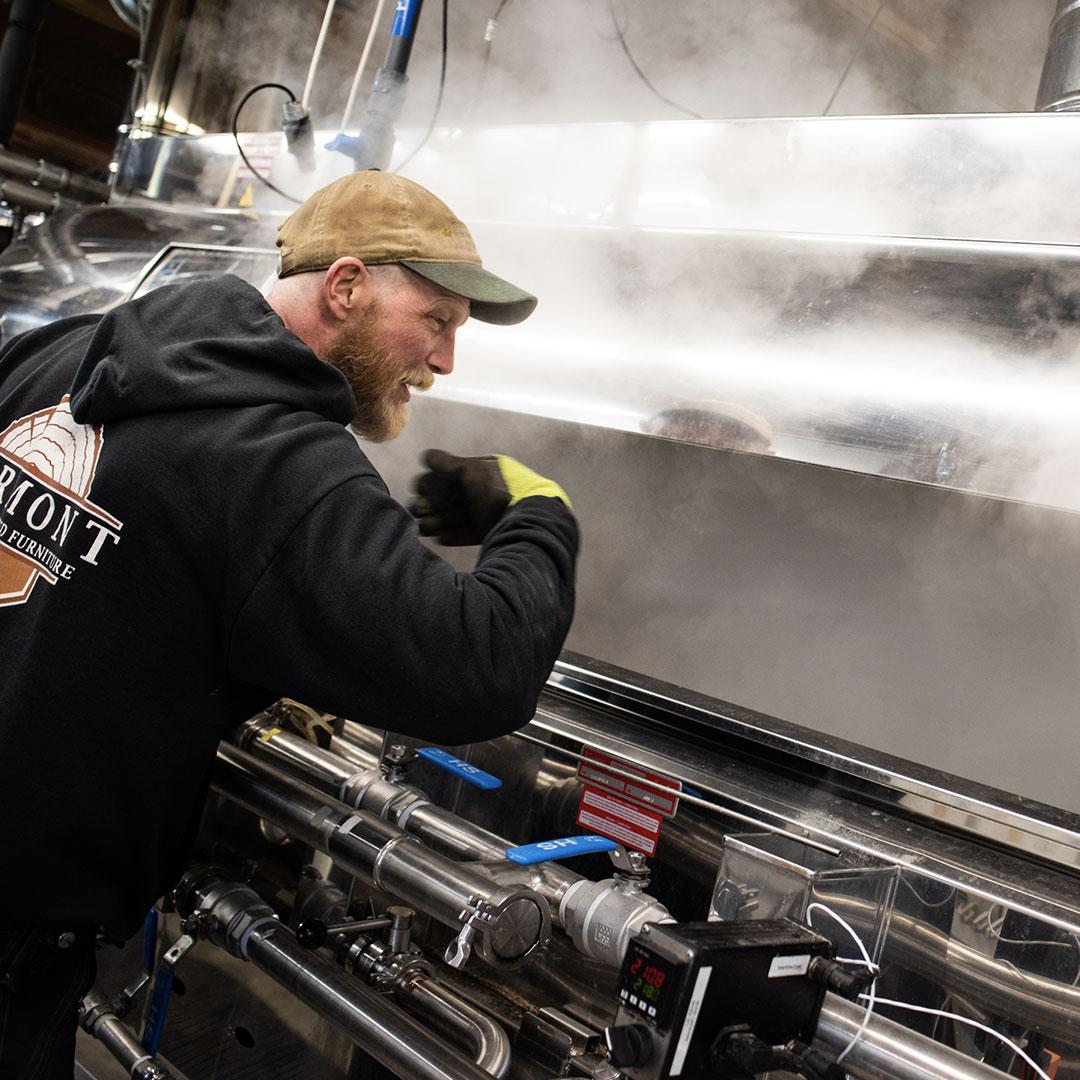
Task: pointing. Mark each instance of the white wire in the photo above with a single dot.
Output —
(375, 20)
(866, 960)
(317, 54)
(964, 1020)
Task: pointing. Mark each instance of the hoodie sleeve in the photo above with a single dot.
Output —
(355, 616)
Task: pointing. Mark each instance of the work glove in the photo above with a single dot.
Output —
(459, 499)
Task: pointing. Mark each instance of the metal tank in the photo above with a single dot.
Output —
(810, 385)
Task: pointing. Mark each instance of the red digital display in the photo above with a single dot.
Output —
(648, 984)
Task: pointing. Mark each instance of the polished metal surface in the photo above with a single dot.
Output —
(877, 319)
(98, 1018)
(810, 284)
(934, 628)
(974, 808)
(889, 1051)
(42, 174)
(967, 887)
(90, 258)
(600, 917)
(237, 919)
(386, 1033)
(847, 820)
(31, 198)
(369, 740)
(391, 860)
(1059, 88)
(450, 1014)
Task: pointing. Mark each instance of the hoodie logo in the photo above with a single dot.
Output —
(48, 526)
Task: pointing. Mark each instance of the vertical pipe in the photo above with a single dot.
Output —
(388, 90)
(402, 35)
(1059, 87)
(16, 54)
(316, 56)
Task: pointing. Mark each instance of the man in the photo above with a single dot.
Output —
(188, 531)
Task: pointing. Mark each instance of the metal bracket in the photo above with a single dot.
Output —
(393, 762)
(479, 914)
(631, 870)
(195, 926)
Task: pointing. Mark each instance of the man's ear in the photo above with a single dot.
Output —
(346, 286)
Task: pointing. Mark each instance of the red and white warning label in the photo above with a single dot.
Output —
(261, 148)
(614, 804)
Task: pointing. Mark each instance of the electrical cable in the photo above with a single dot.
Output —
(316, 56)
(438, 100)
(869, 964)
(922, 900)
(995, 932)
(964, 1020)
(361, 67)
(236, 135)
(641, 74)
(489, 44)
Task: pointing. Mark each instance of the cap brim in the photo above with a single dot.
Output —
(491, 299)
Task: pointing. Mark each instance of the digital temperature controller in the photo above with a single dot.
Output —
(645, 975)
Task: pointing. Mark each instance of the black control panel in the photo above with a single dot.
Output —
(685, 987)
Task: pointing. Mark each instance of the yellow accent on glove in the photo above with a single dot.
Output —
(523, 483)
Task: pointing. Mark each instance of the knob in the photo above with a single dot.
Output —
(629, 1045)
(311, 933)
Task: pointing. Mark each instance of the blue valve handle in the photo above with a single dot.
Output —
(404, 17)
(565, 848)
(149, 940)
(156, 1010)
(455, 765)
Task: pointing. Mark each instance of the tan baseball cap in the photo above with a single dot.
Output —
(380, 217)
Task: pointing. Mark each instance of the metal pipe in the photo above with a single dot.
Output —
(16, 54)
(402, 35)
(52, 177)
(387, 92)
(361, 67)
(889, 1051)
(352, 754)
(368, 739)
(442, 830)
(456, 1018)
(32, 198)
(515, 921)
(600, 917)
(241, 922)
(97, 1017)
(316, 56)
(1059, 87)
(1050, 1005)
(405, 1046)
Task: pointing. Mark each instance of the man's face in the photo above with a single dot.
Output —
(400, 341)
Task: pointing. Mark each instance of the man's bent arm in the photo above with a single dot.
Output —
(355, 616)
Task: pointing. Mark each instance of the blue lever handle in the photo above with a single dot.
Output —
(149, 941)
(455, 765)
(154, 1026)
(565, 848)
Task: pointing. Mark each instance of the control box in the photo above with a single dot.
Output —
(683, 985)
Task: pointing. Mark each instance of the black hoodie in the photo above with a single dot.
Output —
(188, 531)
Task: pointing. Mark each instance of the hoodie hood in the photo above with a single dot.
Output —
(205, 345)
